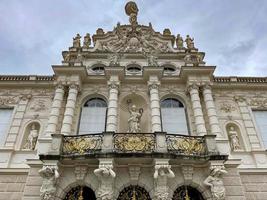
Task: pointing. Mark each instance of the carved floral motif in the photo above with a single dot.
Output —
(227, 107)
(258, 102)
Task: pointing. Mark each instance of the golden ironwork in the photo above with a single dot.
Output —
(187, 193)
(187, 145)
(134, 142)
(134, 192)
(81, 144)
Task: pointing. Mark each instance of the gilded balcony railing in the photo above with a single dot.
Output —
(82, 144)
(186, 145)
(134, 142)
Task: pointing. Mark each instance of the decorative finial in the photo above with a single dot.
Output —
(131, 10)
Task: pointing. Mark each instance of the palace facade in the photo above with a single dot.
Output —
(133, 114)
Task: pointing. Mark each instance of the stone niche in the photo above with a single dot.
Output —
(124, 114)
(234, 136)
(31, 133)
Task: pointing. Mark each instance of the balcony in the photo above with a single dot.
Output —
(110, 144)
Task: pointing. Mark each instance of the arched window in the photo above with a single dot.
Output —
(173, 117)
(93, 116)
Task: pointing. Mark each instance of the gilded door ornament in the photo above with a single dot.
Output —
(186, 145)
(81, 144)
(134, 142)
(187, 193)
(134, 192)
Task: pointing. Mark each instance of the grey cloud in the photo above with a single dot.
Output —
(232, 33)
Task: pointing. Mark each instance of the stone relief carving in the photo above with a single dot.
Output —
(258, 102)
(234, 140)
(215, 182)
(39, 105)
(152, 60)
(80, 171)
(32, 138)
(114, 59)
(8, 100)
(106, 177)
(134, 172)
(50, 176)
(135, 118)
(161, 175)
(227, 107)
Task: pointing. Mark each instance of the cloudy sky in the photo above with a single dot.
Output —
(233, 33)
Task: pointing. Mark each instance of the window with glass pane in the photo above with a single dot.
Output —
(5, 118)
(261, 121)
(93, 116)
(173, 117)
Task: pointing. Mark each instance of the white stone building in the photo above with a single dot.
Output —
(134, 114)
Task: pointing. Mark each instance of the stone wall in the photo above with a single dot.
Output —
(12, 185)
(255, 186)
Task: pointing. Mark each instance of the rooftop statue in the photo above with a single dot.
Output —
(87, 40)
(190, 42)
(77, 41)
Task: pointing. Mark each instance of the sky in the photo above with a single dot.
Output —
(232, 33)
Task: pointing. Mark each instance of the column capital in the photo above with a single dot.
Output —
(206, 86)
(153, 84)
(192, 86)
(74, 86)
(60, 85)
(113, 85)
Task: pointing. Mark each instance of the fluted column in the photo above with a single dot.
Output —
(69, 110)
(211, 111)
(197, 109)
(154, 105)
(112, 115)
(55, 110)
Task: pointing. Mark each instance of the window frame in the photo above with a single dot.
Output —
(80, 114)
(185, 112)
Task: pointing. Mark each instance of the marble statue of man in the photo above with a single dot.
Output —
(106, 177)
(50, 176)
(32, 138)
(234, 141)
(215, 182)
(161, 175)
(77, 41)
(134, 119)
(189, 42)
(87, 40)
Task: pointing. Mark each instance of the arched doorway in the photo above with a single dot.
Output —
(134, 192)
(80, 193)
(187, 193)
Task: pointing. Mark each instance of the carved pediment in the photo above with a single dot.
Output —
(128, 39)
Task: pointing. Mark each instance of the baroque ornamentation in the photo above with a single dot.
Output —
(215, 182)
(77, 41)
(50, 175)
(227, 107)
(190, 42)
(258, 102)
(106, 177)
(135, 118)
(87, 40)
(38, 105)
(188, 171)
(130, 143)
(179, 42)
(73, 145)
(161, 175)
(186, 144)
(134, 172)
(7, 101)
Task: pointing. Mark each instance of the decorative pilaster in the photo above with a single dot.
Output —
(112, 115)
(69, 110)
(17, 120)
(153, 87)
(55, 110)
(106, 177)
(197, 109)
(161, 175)
(211, 111)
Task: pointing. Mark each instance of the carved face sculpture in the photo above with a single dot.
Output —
(134, 108)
